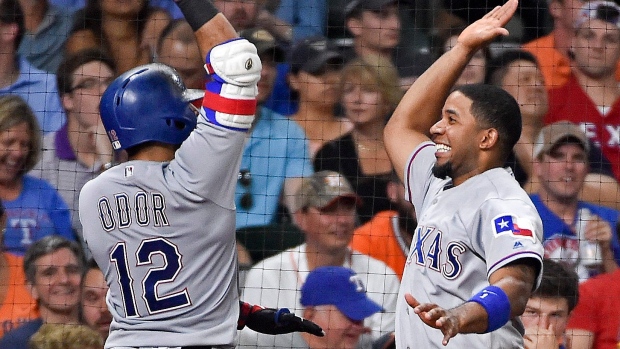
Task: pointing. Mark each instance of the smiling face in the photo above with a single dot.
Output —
(15, 143)
(331, 228)
(562, 172)
(596, 48)
(57, 280)
(456, 136)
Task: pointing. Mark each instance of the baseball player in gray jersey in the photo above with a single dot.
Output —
(162, 226)
(476, 255)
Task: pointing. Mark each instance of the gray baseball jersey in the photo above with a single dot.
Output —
(164, 236)
(464, 234)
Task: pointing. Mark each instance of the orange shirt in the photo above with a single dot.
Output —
(555, 66)
(378, 239)
(18, 306)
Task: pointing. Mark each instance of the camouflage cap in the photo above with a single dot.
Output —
(323, 189)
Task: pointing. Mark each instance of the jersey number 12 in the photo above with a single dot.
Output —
(155, 276)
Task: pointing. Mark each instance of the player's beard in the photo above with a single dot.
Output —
(442, 171)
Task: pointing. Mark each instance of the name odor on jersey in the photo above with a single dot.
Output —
(121, 212)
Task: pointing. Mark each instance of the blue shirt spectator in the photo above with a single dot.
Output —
(276, 150)
(39, 211)
(307, 18)
(44, 47)
(39, 90)
(19, 337)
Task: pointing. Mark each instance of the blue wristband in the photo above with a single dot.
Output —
(495, 301)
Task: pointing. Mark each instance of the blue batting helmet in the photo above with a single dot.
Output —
(148, 103)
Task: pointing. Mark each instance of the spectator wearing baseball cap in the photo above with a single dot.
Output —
(560, 166)
(375, 26)
(325, 211)
(276, 155)
(314, 75)
(335, 298)
(590, 96)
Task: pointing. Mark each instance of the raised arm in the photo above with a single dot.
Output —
(421, 106)
(209, 25)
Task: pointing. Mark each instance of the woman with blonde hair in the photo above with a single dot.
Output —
(370, 92)
(34, 208)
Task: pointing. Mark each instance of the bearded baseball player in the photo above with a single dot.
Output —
(476, 255)
(162, 225)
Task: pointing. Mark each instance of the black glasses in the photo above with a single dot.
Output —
(245, 179)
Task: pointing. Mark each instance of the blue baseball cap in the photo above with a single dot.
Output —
(340, 287)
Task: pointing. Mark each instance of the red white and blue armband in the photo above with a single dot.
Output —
(497, 305)
(230, 96)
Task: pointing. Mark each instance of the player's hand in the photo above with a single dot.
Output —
(540, 338)
(487, 28)
(274, 321)
(435, 317)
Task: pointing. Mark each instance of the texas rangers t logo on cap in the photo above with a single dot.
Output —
(508, 224)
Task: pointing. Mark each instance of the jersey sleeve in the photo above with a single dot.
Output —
(508, 230)
(207, 163)
(418, 174)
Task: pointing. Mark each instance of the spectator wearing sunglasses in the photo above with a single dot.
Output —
(276, 153)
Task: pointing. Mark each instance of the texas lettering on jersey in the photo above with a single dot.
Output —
(122, 210)
(426, 251)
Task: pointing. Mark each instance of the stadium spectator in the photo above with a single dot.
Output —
(177, 48)
(553, 50)
(47, 28)
(375, 26)
(16, 304)
(276, 154)
(517, 72)
(549, 307)
(315, 76)
(80, 150)
(325, 210)
(305, 18)
(388, 235)
(126, 31)
(475, 70)
(561, 165)
(595, 321)
(370, 92)
(94, 309)
(53, 267)
(34, 208)
(335, 298)
(19, 77)
(590, 97)
(60, 336)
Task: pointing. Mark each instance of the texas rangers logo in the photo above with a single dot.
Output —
(509, 224)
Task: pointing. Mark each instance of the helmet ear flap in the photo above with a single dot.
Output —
(147, 104)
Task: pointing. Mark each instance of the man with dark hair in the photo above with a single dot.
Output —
(81, 144)
(476, 254)
(53, 266)
(549, 307)
(19, 77)
(177, 48)
(518, 72)
(94, 309)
